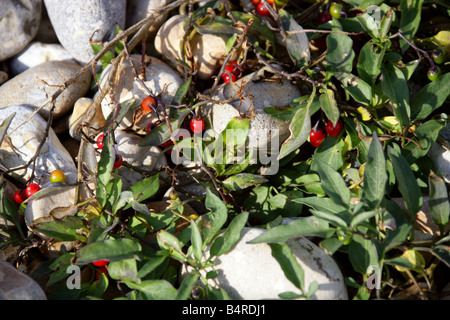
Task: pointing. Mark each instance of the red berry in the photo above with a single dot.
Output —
(100, 271)
(166, 145)
(324, 17)
(19, 196)
(99, 140)
(31, 189)
(234, 68)
(316, 137)
(255, 2)
(262, 9)
(334, 130)
(118, 161)
(197, 125)
(228, 76)
(100, 263)
(149, 103)
(151, 126)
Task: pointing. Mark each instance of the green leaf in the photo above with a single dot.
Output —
(212, 222)
(59, 267)
(375, 175)
(186, 286)
(329, 106)
(438, 200)
(407, 183)
(288, 112)
(333, 184)
(330, 152)
(370, 23)
(426, 134)
(302, 227)
(395, 87)
(296, 41)
(111, 250)
(236, 132)
(333, 219)
(64, 230)
(162, 133)
(362, 253)
(289, 264)
(243, 180)
(196, 241)
(216, 294)
(125, 270)
(231, 236)
(299, 127)
(369, 62)
(402, 227)
(8, 210)
(410, 19)
(361, 145)
(363, 216)
(230, 43)
(443, 252)
(330, 245)
(155, 289)
(325, 204)
(430, 98)
(360, 90)
(340, 55)
(409, 259)
(168, 241)
(107, 158)
(151, 265)
(182, 91)
(144, 189)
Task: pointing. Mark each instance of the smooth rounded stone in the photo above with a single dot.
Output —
(43, 206)
(441, 160)
(36, 85)
(263, 127)
(159, 78)
(208, 50)
(144, 158)
(19, 23)
(250, 272)
(36, 53)
(26, 133)
(79, 109)
(15, 285)
(75, 24)
(3, 77)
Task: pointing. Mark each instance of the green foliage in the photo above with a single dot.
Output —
(344, 193)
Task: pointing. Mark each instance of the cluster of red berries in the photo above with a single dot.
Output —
(22, 194)
(232, 72)
(317, 135)
(99, 145)
(261, 7)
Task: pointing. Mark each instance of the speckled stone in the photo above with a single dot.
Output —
(34, 87)
(75, 24)
(19, 23)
